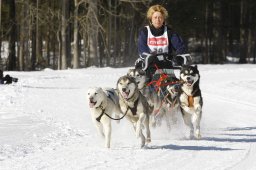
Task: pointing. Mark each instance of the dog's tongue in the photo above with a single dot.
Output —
(189, 83)
(91, 104)
(125, 95)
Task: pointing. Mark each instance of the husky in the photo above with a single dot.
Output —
(161, 108)
(135, 106)
(152, 97)
(191, 101)
(103, 103)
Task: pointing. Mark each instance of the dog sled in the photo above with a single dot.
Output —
(160, 72)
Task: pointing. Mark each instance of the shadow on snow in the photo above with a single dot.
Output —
(195, 148)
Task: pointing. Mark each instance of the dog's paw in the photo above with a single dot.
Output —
(107, 144)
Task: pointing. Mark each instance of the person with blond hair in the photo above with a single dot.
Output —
(158, 38)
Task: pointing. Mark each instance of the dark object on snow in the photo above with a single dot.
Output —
(7, 79)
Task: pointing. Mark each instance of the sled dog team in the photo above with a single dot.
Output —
(140, 105)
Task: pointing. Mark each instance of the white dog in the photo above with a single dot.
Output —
(103, 103)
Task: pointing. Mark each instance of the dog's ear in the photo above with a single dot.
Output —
(132, 79)
(118, 82)
(129, 71)
(196, 66)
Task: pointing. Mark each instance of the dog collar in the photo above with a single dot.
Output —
(134, 108)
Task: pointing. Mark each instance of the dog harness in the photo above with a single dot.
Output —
(110, 95)
(103, 112)
(190, 101)
(134, 109)
(191, 98)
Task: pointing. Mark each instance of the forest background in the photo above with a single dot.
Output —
(61, 34)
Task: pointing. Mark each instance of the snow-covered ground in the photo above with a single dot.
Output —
(45, 124)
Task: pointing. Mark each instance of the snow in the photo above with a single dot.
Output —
(45, 124)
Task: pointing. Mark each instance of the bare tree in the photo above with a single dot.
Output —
(243, 31)
(93, 29)
(0, 28)
(12, 36)
(64, 55)
(76, 36)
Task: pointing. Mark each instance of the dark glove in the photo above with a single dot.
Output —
(168, 57)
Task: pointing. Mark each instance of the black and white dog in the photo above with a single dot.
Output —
(191, 100)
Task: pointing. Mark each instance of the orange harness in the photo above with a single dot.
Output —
(190, 101)
(161, 81)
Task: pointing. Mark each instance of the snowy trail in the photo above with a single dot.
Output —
(45, 124)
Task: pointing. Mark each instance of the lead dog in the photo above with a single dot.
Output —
(103, 103)
(191, 100)
(135, 106)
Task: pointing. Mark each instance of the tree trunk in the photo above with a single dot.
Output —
(93, 31)
(64, 53)
(33, 55)
(39, 51)
(206, 32)
(59, 38)
(243, 31)
(0, 30)
(109, 37)
(12, 36)
(27, 64)
(76, 43)
(21, 48)
(21, 40)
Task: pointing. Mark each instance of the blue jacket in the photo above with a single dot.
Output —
(176, 44)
